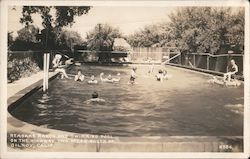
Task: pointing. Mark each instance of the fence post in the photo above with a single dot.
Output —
(180, 60)
(243, 61)
(194, 60)
(207, 62)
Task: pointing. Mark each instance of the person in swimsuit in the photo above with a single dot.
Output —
(151, 69)
(58, 67)
(92, 80)
(95, 99)
(159, 76)
(110, 78)
(232, 69)
(79, 76)
(133, 76)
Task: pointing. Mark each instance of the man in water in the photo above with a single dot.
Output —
(232, 69)
(95, 99)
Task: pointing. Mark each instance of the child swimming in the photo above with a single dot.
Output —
(151, 69)
(159, 76)
(92, 80)
(79, 76)
(166, 75)
(133, 76)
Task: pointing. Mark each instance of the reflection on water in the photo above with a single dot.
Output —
(183, 105)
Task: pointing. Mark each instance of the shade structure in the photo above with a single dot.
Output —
(121, 44)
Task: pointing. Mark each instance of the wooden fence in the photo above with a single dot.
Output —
(206, 61)
(144, 54)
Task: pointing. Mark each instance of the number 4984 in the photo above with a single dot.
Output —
(225, 147)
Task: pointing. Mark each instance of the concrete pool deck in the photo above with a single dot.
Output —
(36, 138)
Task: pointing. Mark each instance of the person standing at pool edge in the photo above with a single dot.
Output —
(232, 69)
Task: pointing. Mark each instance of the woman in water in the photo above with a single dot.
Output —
(110, 78)
(92, 80)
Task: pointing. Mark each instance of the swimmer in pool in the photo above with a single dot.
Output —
(151, 69)
(233, 83)
(79, 76)
(110, 78)
(133, 76)
(166, 75)
(118, 78)
(92, 80)
(95, 99)
(159, 76)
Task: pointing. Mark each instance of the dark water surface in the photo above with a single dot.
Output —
(185, 105)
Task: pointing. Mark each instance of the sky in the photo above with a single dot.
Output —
(127, 19)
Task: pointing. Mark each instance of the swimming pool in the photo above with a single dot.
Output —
(185, 105)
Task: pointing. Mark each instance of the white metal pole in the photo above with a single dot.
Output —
(44, 72)
(47, 71)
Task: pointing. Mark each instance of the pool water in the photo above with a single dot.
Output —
(184, 105)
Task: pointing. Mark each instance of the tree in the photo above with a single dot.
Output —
(28, 34)
(26, 39)
(236, 30)
(64, 16)
(206, 29)
(69, 39)
(196, 29)
(10, 39)
(151, 35)
(101, 38)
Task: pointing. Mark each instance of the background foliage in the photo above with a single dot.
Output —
(101, 38)
(196, 29)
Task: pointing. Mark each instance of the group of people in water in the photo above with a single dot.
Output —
(80, 77)
(59, 66)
